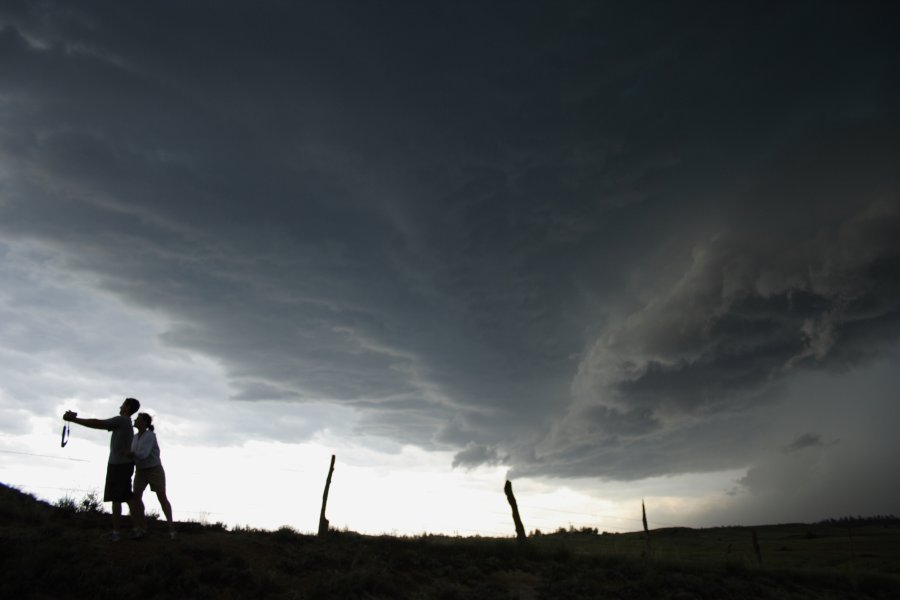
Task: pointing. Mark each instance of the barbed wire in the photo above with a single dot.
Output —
(494, 530)
(543, 521)
(44, 455)
(635, 519)
(50, 487)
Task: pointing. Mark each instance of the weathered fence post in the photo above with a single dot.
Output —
(646, 529)
(756, 549)
(850, 537)
(323, 522)
(520, 529)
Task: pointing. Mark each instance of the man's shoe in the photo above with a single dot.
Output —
(114, 536)
(137, 534)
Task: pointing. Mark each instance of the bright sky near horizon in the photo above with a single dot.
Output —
(609, 252)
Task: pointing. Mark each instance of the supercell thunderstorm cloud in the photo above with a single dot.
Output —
(582, 240)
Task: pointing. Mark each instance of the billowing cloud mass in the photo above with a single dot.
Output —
(579, 239)
(745, 315)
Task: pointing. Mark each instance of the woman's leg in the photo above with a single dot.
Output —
(136, 504)
(166, 507)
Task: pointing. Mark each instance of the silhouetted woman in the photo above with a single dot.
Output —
(145, 451)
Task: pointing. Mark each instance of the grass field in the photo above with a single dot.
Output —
(866, 547)
(49, 552)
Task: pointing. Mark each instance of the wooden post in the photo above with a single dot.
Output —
(756, 549)
(646, 529)
(850, 537)
(323, 522)
(520, 529)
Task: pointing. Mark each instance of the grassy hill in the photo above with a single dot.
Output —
(52, 552)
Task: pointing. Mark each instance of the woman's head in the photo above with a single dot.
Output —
(144, 421)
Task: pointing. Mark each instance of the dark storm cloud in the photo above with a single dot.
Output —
(749, 310)
(476, 454)
(842, 469)
(747, 314)
(579, 238)
(807, 440)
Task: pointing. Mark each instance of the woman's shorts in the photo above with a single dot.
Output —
(154, 476)
(118, 482)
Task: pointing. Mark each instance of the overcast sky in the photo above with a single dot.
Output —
(586, 244)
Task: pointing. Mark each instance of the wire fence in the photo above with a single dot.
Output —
(44, 455)
(501, 527)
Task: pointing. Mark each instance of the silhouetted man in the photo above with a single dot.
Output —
(120, 466)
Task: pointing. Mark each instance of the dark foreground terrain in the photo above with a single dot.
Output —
(52, 552)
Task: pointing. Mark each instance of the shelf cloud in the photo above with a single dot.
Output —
(582, 241)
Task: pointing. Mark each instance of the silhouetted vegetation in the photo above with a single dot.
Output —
(884, 520)
(88, 505)
(55, 551)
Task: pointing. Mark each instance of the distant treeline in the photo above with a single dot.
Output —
(851, 521)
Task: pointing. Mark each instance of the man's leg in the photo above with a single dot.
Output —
(116, 516)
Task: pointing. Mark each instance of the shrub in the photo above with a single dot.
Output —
(286, 533)
(66, 504)
(90, 504)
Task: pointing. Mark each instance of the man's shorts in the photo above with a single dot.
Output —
(154, 476)
(118, 483)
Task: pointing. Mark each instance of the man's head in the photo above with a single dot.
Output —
(129, 407)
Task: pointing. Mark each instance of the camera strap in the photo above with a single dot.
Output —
(65, 435)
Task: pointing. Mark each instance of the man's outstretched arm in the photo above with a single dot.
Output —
(92, 423)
